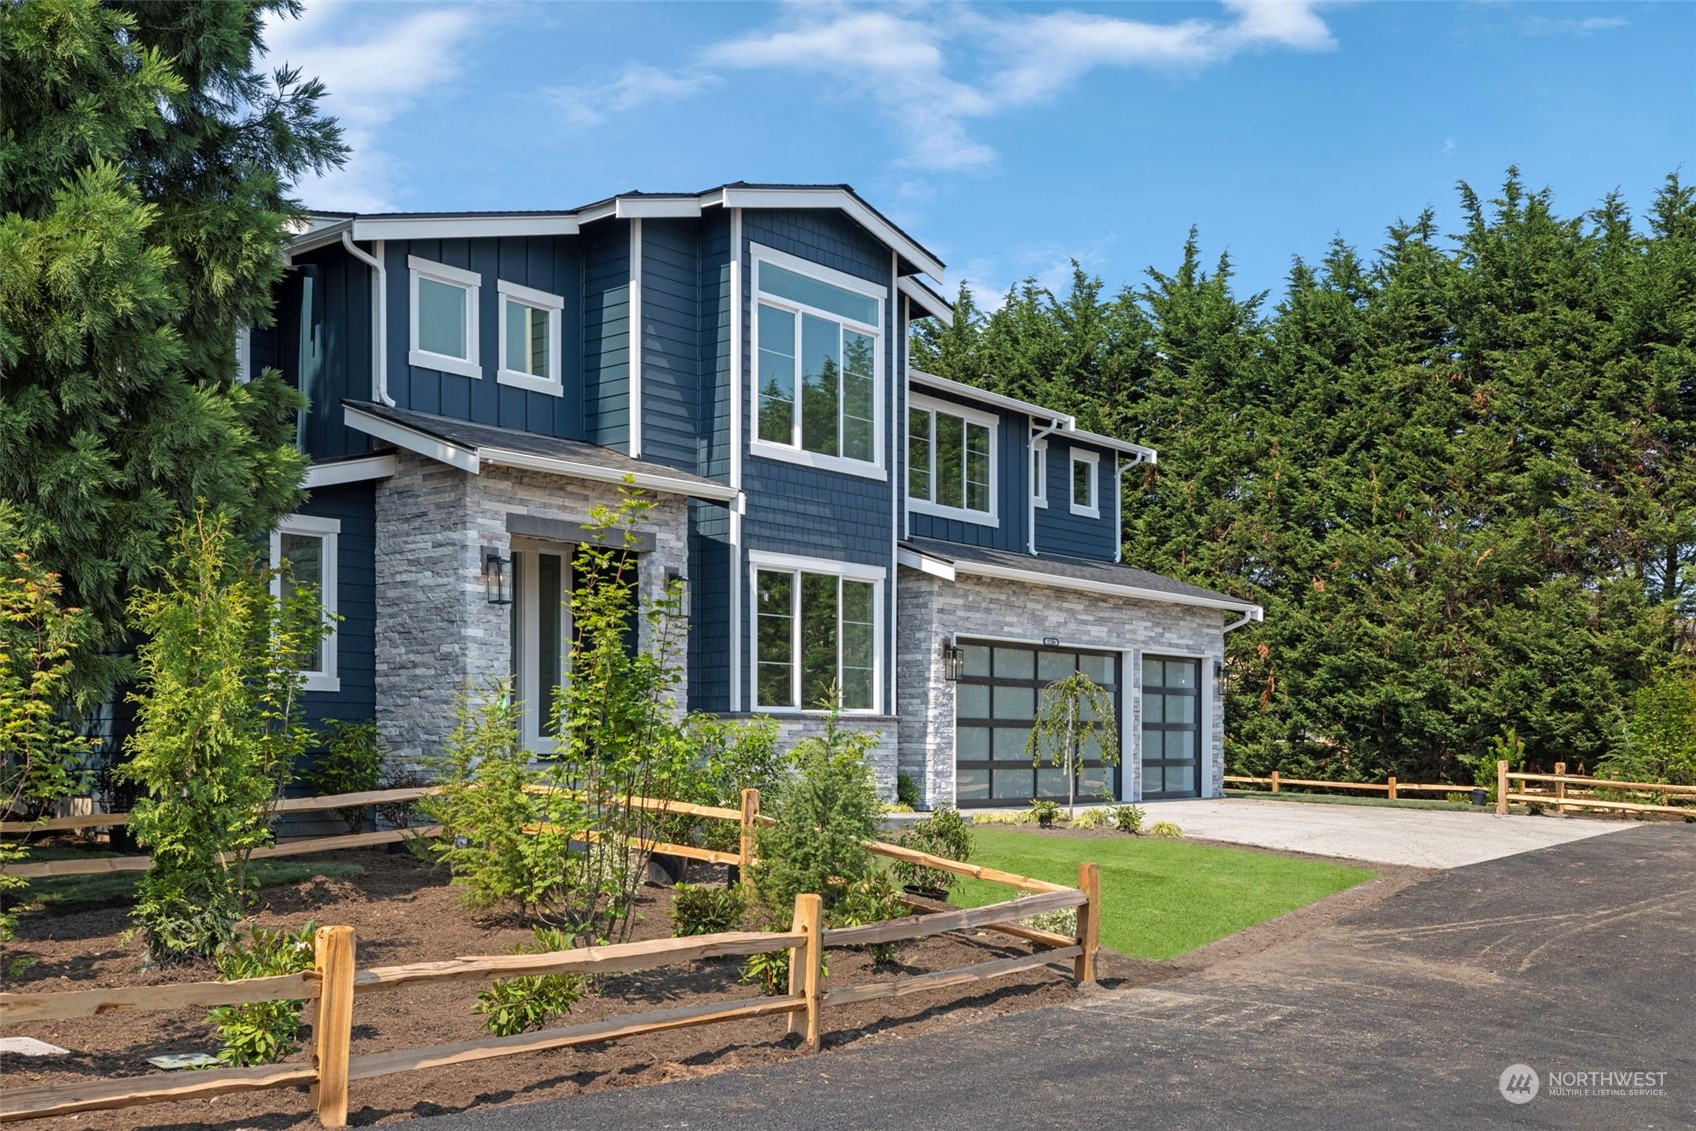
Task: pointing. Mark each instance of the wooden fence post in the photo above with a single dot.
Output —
(1274, 781)
(750, 822)
(1501, 787)
(804, 962)
(1560, 788)
(1089, 923)
(1392, 787)
(332, 1028)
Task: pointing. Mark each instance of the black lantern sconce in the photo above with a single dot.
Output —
(495, 574)
(1219, 677)
(953, 661)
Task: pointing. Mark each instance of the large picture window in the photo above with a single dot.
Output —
(817, 393)
(951, 461)
(814, 632)
(303, 552)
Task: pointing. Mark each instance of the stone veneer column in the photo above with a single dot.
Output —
(924, 698)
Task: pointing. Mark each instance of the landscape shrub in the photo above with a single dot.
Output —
(352, 762)
(1659, 742)
(1003, 817)
(727, 757)
(769, 970)
(1044, 813)
(1061, 922)
(1074, 718)
(1128, 819)
(401, 814)
(520, 1005)
(219, 730)
(871, 900)
(262, 1032)
(1165, 829)
(944, 833)
(1093, 819)
(906, 790)
(701, 909)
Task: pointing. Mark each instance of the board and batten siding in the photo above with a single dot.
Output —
(606, 334)
(353, 505)
(794, 509)
(1058, 530)
(545, 263)
(342, 297)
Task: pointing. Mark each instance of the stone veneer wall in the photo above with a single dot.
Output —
(437, 633)
(930, 610)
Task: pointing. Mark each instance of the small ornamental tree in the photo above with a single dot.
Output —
(1072, 714)
(218, 731)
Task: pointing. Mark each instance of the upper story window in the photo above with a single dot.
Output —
(1084, 478)
(444, 318)
(303, 552)
(818, 394)
(815, 633)
(530, 330)
(1039, 472)
(951, 461)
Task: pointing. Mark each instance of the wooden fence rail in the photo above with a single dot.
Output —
(1560, 798)
(334, 984)
(1391, 787)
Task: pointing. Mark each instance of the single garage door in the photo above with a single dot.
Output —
(994, 706)
(1171, 727)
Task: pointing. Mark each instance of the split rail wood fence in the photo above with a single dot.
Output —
(1391, 788)
(1561, 796)
(333, 986)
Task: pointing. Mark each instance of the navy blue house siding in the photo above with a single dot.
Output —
(356, 602)
(1012, 443)
(606, 337)
(337, 341)
(671, 342)
(1058, 530)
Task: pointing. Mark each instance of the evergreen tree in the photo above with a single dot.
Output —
(144, 170)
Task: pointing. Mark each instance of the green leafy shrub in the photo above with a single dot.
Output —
(1660, 733)
(1003, 817)
(1061, 922)
(1166, 829)
(1093, 819)
(944, 833)
(401, 814)
(728, 757)
(872, 900)
(352, 762)
(1128, 819)
(907, 790)
(769, 970)
(700, 909)
(825, 814)
(1044, 812)
(262, 1032)
(520, 1005)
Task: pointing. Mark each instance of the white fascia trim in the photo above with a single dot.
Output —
(1083, 585)
(633, 352)
(763, 559)
(768, 450)
(316, 238)
(1148, 455)
(925, 299)
(464, 227)
(831, 198)
(413, 440)
(657, 207)
(350, 471)
(972, 392)
(957, 514)
(825, 275)
(647, 480)
(936, 567)
(1077, 456)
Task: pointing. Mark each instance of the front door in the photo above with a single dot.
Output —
(541, 632)
(1171, 727)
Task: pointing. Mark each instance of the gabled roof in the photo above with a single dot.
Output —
(469, 446)
(948, 559)
(327, 227)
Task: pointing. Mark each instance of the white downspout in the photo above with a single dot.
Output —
(380, 304)
(1254, 613)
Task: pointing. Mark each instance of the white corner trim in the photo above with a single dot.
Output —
(350, 471)
(1093, 459)
(664, 484)
(936, 567)
(413, 440)
(634, 351)
(768, 450)
(851, 570)
(1040, 498)
(735, 517)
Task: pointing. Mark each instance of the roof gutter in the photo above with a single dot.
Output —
(1255, 614)
(380, 318)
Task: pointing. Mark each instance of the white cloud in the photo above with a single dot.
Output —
(1449, 146)
(1589, 25)
(908, 62)
(374, 69)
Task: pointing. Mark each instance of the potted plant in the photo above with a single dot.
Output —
(944, 833)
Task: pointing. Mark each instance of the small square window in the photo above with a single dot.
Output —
(530, 330)
(444, 318)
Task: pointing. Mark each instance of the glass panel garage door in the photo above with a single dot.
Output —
(995, 704)
(1171, 727)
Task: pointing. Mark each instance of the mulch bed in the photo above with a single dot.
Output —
(404, 911)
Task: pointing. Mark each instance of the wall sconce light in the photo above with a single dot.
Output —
(1219, 676)
(953, 661)
(495, 576)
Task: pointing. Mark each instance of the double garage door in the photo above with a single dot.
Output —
(995, 705)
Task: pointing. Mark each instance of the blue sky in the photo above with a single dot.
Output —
(1012, 138)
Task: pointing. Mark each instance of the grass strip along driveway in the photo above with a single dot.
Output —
(1160, 898)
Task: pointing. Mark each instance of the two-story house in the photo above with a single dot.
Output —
(478, 382)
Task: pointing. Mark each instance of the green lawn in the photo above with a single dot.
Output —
(1160, 898)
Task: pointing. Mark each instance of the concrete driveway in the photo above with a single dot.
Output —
(1573, 961)
(1422, 838)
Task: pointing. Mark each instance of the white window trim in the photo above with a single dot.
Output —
(472, 282)
(553, 384)
(1094, 460)
(793, 452)
(1039, 489)
(329, 530)
(759, 560)
(991, 517)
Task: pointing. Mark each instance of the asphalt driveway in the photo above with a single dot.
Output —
(1575, 959)
(1420, 838)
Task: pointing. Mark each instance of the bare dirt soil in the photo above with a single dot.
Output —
(403, 911)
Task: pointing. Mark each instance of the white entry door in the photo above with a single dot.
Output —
(541, 635)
